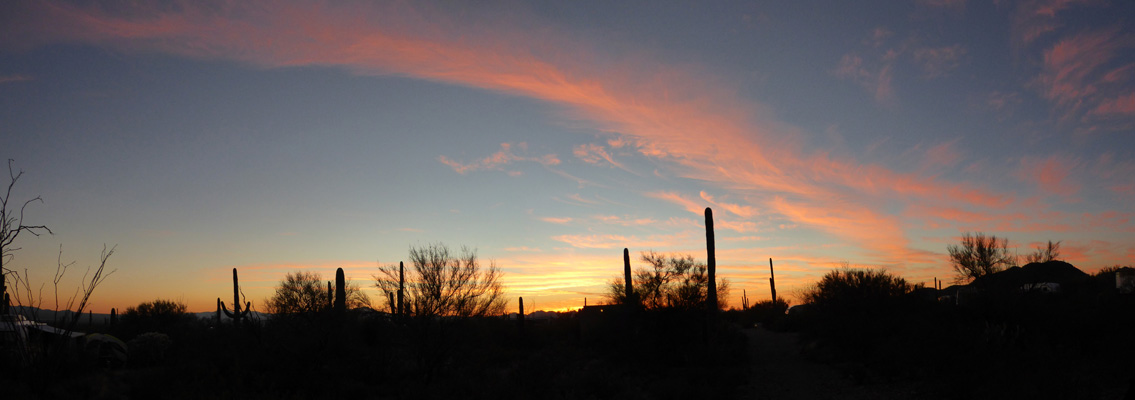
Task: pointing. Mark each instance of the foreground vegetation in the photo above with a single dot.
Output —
(1001, 343)
(365, 354)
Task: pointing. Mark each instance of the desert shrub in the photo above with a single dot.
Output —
(671, 281)
(853, 288)
(304, 292)
(856, 310)
(444, 283)
(767, 313)
(156, 316)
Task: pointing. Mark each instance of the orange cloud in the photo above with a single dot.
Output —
(1075, 78)
(609, 241)
(681, 116)
(689, 205)
(736, 209)
(1051, 175)
(556, 220)
(498, 160)
(1122, 105)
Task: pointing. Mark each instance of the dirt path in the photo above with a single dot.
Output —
(780, 372)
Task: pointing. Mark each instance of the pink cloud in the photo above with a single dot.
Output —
(1078, 75)
(1122, 105)
(14, 78)
(942, 155)
(608, 241)
(737, 209)
(624, 221)
(557, 220)
(878, 82)
(689, 205)
(598, 155)
(498, 160)
(682, 116)
(1034, 18)
(1051, 175)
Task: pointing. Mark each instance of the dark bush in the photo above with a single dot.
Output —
(165, 316)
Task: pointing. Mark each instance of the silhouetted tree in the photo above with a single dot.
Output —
(304, 292)
(854, 288)
(1044, 254)
(158, 315)
(979, 255)
(11, 226)
(445, 284)
(671, 281)
(21, 291)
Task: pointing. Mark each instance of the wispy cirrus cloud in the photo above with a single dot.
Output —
(876, 80)
(676, 198)
(557, 220)
(1075, 73)
(611, 241)
(739, 210)
(15, 78)
(681, 116)
(1051, 174)
(498, 160)
(596, 154)
(1032, 19)
(1123, 105)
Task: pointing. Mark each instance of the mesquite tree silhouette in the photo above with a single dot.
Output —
(442, 283)
(669, 281)
(979, 255)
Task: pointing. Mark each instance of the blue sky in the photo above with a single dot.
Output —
(279, 136)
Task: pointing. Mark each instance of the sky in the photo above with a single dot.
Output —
(195, 137)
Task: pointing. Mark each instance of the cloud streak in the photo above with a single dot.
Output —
(682, 116)
(498, 160)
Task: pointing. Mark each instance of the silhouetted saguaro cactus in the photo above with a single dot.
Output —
(772, 281)
(401, 288)
(340, 291)
(711, 263)
(330, 296)
(744, 300)
(237, 315)
(520, 316)
(393, 307)
(627, 277)
(113, 316)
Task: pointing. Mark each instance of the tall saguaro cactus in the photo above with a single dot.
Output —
(401, 287)
(340, 291)
(627, 277)
(237, 315)
(772, 280)
(711, 263)
(520, 316)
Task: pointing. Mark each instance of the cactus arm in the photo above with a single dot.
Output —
(227, 313)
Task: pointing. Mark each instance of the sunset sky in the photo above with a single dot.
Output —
(276, 136)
